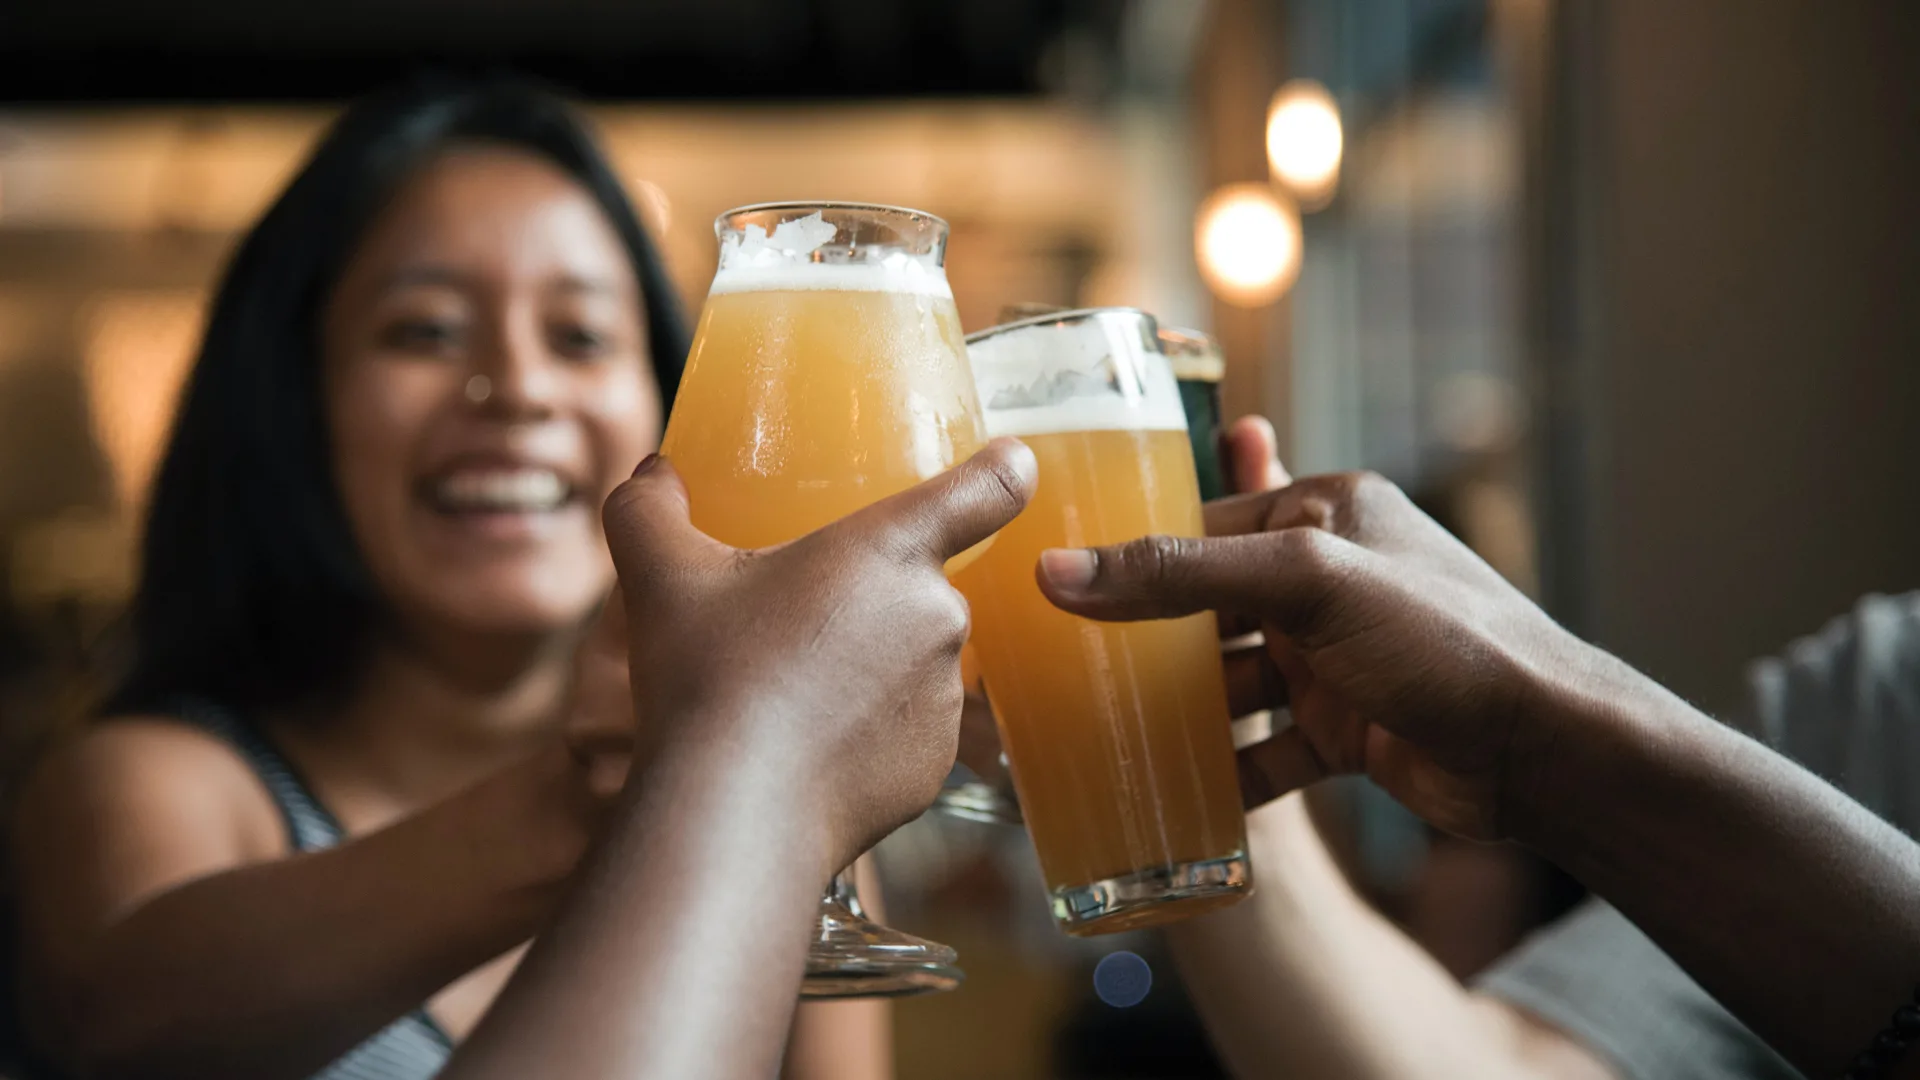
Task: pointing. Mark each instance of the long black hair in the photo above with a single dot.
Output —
(252, 591)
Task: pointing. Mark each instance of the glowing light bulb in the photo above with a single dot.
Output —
(1247, 242)
(1305, 141)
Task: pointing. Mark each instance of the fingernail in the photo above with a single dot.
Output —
(1068, 569)
(646, 463)
(1022, 459)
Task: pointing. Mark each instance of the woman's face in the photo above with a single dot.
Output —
(487, 383)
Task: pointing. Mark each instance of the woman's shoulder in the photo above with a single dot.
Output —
(143, 747)
(149, 771)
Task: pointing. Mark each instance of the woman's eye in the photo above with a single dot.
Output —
(423, 335)
(579, 341)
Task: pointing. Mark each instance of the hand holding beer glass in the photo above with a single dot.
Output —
(1117, 733)
(827, 372)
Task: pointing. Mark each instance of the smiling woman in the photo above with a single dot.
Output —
(354, 757)
(493, 269)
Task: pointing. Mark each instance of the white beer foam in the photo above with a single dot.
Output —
(1092, 375)
(783, 261)
(912, 278)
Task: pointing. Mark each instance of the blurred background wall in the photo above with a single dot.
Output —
(1619, 289)
(1730, 338)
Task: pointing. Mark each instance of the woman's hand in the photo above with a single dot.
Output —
(600, 730)
(831, 662)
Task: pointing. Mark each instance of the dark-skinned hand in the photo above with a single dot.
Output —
(1399, 652)
(829, 664)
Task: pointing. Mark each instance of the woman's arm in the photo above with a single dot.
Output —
(844, 1040)
(1306, 979)
(165, 933)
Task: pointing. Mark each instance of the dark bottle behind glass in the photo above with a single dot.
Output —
(1199, 367)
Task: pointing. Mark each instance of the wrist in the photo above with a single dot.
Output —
(502, 847)
(548, 811)
(728, 759)
(1592, 732)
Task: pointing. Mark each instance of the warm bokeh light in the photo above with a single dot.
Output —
(1304, 140)
(1247, 242)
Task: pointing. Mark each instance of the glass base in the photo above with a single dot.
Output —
(977, 800)
(853, 956)
(1152, 897)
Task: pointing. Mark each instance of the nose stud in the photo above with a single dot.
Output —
(479, 389)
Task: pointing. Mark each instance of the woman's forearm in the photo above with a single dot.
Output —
(1306, 979)
(272, 970)
(1794, 906)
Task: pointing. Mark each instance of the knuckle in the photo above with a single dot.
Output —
(618, 510)
(1154, 558)
(1348, 486)
(1003, 482)
(955, 620)
(1308, 550)
(1371, 487)
(1345, 502)
(964, 611)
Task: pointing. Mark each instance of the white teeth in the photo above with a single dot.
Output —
(504, 490)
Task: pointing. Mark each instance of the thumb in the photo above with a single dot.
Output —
(649, 531)
(1254, 453)
(1286, 577)
(944, 516)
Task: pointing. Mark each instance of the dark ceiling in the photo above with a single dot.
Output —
(90, 51)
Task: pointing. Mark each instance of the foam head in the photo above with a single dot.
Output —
(1098, 369)
(814, 251)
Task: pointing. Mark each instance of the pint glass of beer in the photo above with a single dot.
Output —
(1117, 733)
(828, 371)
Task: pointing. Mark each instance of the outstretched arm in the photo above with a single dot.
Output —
(1305, 978)
(1405, 657)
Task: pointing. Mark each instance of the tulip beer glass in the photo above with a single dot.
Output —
(827, 371)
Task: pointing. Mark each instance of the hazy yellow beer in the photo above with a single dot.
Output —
(1117, 733)
(828, 371)
(814, 389)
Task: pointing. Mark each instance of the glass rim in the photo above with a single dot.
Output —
(828, 204)
(1188, 332)
(1194, 354)
(1084, 314)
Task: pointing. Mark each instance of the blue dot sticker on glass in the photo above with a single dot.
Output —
(1122, 979)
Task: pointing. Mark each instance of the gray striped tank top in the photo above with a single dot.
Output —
(413, 1047)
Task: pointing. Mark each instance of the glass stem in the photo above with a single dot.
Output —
(844, 892)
